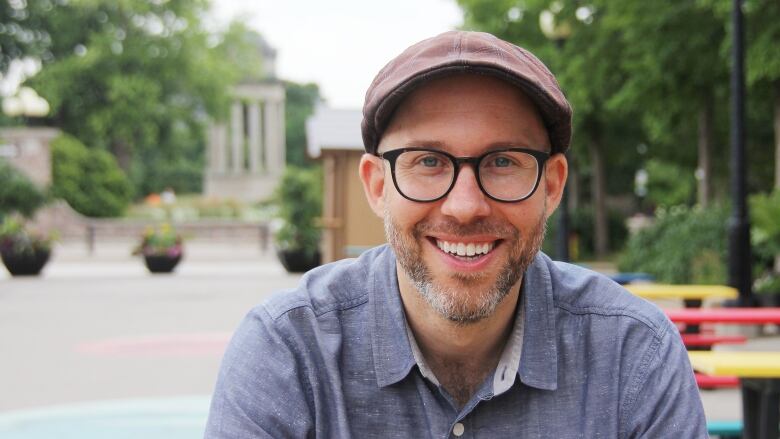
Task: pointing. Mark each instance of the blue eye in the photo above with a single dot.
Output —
(430, 161)
(502, 162)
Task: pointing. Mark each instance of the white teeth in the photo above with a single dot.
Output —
(463, 249)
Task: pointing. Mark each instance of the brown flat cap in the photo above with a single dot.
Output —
(465, 52)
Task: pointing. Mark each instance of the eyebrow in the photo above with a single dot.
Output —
(436, 144)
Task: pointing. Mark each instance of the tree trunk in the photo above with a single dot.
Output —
(704, 171)
(574, 184)
(121, 151)
(777, 133)
(777, 151)
(598, 191)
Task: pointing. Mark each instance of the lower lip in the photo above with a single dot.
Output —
(456, 263)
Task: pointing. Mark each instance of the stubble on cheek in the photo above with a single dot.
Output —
(470, 297)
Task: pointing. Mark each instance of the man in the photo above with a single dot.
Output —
(460, 327)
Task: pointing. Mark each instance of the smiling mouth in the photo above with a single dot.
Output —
(466, 250)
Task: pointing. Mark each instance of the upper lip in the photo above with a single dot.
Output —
(476, 239)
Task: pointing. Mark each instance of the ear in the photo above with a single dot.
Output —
(372, 174)
(555, 174)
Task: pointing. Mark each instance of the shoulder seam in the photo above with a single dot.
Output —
(612, 312)
(345, 305)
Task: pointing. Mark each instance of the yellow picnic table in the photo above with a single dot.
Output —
(741, 364)
(685, 292)
(760, 382)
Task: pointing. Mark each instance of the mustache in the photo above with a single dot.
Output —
(478, 227)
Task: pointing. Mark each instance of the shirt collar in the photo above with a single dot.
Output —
(539, 364)
(393, 358)
(533, 333)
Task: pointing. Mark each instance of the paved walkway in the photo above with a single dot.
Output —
(99, 327)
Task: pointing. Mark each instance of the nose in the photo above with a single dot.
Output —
(466, 201)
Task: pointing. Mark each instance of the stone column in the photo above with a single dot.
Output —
(274, 137)
(255, 141)
(282, 136)
(217, 143)
(237, 137)
(269, 145)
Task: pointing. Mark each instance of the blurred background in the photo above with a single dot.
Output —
(166, 164)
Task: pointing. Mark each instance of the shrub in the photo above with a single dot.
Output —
(17, 192)
(89, 180)
(669, 184)
(581, 226)
(765, 230)
(765, 237)
(298, 199)
(684, 245)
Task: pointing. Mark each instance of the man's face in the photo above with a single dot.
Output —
(465, 116)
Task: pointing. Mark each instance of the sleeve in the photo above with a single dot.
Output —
(261, 389)
(664, 400)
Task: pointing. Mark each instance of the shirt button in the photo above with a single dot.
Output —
(458, 429)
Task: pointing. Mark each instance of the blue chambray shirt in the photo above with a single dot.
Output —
(333, 359)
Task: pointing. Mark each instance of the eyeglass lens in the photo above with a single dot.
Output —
(428, 175)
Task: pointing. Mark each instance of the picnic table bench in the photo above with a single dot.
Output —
(708, 340)
(759, 374)
(746, 316)
(692, 294)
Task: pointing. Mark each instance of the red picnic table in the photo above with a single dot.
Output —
(746, 316)
(758, 372)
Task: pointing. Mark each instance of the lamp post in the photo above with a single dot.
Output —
(739, 222)
(558, 31)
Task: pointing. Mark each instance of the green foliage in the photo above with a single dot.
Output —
(22, 35)
(141, 79)
(581, 228)
(298, 199)
(683, 246)
(16, 238)
(17, 192)
(89, 180)
(239, 47)
(765, 230)
(669, 184)
(300, 100)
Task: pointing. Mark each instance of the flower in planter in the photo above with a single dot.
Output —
(161, 240)
(17, 238)
(24, 251)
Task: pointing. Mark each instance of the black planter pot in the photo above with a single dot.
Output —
(25, 264)
(298, 261)
(161, 263)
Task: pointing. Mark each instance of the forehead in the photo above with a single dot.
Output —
(465, 112)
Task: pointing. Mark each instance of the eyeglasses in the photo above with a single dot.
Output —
(427, 175)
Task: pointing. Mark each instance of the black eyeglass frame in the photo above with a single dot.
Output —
(540, 156)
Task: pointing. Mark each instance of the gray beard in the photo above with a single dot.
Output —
(464, 305)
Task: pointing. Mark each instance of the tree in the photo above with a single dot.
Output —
(22, 32)
(763, 61)
(139, 79)
(300, 100)
(676, 76)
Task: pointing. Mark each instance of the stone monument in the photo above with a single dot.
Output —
(246, 156)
